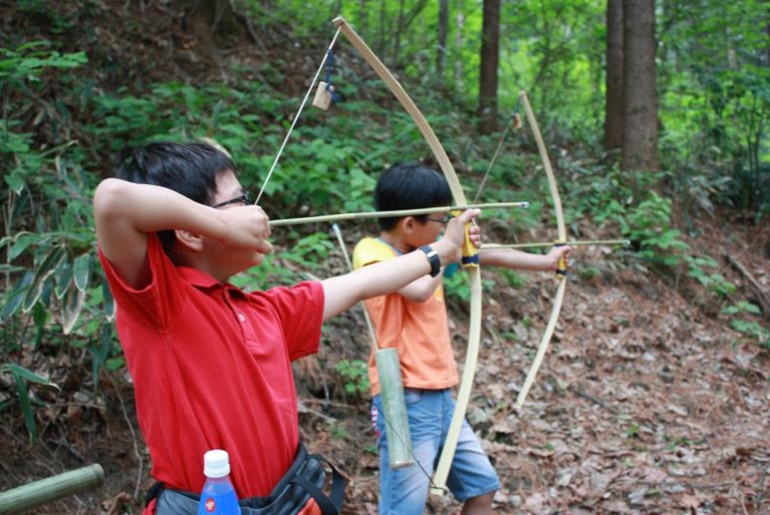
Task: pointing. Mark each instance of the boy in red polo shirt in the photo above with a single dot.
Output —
(211, 364)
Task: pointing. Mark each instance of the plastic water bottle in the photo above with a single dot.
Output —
(218, 496)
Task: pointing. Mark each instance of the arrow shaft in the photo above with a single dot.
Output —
(534, 245)
(383, 214)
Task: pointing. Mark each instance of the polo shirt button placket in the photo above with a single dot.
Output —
(241, 317)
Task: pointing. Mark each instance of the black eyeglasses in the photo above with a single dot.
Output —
(240, 199)
(443, 220)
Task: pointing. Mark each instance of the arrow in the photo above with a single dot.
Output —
(398, 213)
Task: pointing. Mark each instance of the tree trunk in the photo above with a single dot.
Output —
(363, 16)
(768, 31)
(443, 30)
(640, 129)
(403, 22)
(490, 59)
(613, 112)
(459, 69)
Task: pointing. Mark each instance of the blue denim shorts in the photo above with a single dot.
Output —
(404, 491)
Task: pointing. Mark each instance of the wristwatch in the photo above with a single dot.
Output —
(433, 259)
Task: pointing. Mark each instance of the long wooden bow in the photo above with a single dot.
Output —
(474, 336)
(562, 230)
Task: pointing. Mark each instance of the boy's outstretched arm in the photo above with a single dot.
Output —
(344, 291)
(512, 258)
(125, 213)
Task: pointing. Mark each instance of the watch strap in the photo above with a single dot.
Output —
(433, 259)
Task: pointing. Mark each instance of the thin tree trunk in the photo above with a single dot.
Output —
(490, 61)
(397, 36)
(403, 23)
(383, 28)
(363, 16)
(640, 130)
(768, 32)
(459, 71)
(443, 30)
(613, 113)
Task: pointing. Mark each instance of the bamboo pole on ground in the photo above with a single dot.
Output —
(50, 489)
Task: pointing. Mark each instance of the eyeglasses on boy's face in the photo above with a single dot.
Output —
(240, 199)
(443, 220)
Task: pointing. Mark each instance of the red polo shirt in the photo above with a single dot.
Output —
(211, 367)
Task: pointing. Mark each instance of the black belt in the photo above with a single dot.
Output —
(304, 480)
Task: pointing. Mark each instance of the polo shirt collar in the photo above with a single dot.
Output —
(204, 281)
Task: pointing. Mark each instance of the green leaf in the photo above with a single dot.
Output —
(108, 301)
(21, 377)
(101, 352)
(16, 296)
(23, 373)
(82, 271)
(22, 241)
(45, 269)
(16, 182)
(73, 305)
(26, 406)
(63, 279)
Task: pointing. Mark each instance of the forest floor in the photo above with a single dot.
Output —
(646, 403)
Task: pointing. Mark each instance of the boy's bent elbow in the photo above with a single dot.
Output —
(106, 198)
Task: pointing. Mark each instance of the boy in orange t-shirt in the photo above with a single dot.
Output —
(414, 321)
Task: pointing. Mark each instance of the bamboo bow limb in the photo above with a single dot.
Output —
(562, 235)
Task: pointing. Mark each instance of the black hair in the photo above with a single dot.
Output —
(190, 169)
(409, 186)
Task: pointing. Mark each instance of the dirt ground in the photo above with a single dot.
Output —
(646, 403)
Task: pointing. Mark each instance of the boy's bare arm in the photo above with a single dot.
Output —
(421, 289)
(125, 213)
(389, 276)
(512, 258)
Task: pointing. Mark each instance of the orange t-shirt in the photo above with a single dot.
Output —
(419, 330)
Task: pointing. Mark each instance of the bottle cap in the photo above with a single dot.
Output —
(216, 463)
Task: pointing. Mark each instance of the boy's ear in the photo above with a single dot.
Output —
(408, 224)
(189, 241)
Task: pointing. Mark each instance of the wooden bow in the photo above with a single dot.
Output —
(562, 231)
(474, 336)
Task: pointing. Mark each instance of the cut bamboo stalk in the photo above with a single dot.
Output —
(391, 388)
(50, 489)
(394, 408)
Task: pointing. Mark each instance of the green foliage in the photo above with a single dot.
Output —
(355, 376)
(750, 328)
(650, 225)
(715, 96)
(22, 378)
(601, 194)
(457, 285)
(512, 278)
(713, 282)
